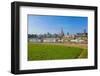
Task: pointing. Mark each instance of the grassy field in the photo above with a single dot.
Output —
(43, 51)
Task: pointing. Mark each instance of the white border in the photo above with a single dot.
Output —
(26, 65)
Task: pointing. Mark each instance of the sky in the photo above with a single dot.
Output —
(41, 24)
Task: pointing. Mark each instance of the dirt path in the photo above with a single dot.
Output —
(84, 46)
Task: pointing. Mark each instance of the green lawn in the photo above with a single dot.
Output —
(39, 51)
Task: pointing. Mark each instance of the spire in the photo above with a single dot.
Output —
(84, 30)
(62, 33)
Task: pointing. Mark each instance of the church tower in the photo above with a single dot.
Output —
(62, 32)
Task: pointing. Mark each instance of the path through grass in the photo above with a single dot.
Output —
(39, 51)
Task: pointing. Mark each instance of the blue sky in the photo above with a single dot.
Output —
(40, 24)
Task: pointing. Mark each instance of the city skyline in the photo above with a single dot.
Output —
(42, 24)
